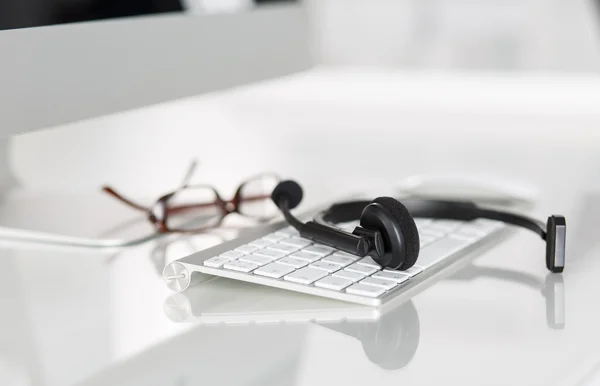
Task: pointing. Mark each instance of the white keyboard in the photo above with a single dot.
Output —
(283, 259)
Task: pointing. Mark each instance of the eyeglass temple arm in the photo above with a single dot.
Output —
(188, 174)
(126, 201)
(177, 209)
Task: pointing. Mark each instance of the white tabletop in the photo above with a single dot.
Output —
(73, 317)
(91, 317)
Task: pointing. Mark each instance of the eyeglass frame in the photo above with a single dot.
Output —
(159, 217)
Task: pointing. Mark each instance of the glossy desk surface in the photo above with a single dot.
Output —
(85, 317)
(90, 317)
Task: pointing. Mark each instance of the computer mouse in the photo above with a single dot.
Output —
(468, 187)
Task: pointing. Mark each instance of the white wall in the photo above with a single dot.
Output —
(485, 34)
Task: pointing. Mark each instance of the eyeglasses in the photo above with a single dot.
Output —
(196, 208)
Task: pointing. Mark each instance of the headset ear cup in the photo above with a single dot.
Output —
(398, 229)
(409, 229)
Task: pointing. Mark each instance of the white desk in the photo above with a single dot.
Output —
(80, 317)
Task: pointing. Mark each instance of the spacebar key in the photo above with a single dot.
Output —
(440, 250)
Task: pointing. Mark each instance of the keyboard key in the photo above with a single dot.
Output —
(385, 284)
(232, 255)
(364, 269)
(328, 267)
(445, 225)
(473, 230)
(306, 275)
(296, 263)
(283, 248)
(255, 259)
(275, 237)
(333, 283)
(289, 231)
(425, 240)
(260, 243)
(346, 254)
(216, 262)
(463, 236)
(297, 242)
(348, 224)
(436, 234)
(319, 250)
(309, 257)
(412, 271)
(396, 276)
(422, 222)
(246, 248)
(273, 254)
(439, 250)
(365, 290)
(274, 270)
(339, 260)
(354, 276)
(240, 266)
(368, 262)
(487, 225)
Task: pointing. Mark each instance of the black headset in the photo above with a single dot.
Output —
(388, 233)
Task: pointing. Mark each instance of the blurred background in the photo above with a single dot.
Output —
(397, 82)
(460, 34)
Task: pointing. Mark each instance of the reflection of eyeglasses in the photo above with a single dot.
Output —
(194, 208)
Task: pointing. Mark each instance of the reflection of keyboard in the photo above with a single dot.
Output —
(282, 259)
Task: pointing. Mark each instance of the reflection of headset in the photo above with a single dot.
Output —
(391, 341)
(388, 233)
(552, 288)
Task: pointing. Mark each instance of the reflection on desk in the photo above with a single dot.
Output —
(389, 340)
(552, 288)
(389, 337)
